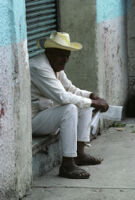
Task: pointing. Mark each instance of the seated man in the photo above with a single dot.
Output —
(56, 103)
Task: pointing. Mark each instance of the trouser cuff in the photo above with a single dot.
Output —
(70, 155)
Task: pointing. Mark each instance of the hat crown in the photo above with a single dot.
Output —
(61, 38)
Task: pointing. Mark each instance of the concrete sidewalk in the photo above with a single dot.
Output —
(114, 179)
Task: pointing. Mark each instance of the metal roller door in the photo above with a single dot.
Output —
(41, 17)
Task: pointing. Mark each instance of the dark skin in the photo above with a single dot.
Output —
(58, 59)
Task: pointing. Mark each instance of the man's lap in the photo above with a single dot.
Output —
(48, 120)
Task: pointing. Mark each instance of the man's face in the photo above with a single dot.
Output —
(58, 58)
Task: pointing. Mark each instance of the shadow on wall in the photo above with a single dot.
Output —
(130, 106)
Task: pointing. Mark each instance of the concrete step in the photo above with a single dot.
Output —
(46, 153)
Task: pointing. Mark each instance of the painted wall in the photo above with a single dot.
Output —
(15, 110)
(78, 18)
(112, 50)
(101, 66)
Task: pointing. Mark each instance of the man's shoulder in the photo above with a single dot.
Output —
(40, 65)
(38, 61)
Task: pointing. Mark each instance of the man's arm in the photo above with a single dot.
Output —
(50, 87)
(72, 88)
(97, 102)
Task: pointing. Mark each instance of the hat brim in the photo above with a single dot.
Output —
(74, 46)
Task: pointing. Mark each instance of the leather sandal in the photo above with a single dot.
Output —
(87, 160)
(73, 173)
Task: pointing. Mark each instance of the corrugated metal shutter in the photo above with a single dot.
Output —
(41, 17)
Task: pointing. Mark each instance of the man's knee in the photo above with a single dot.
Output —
(72, 109)
(86, 111)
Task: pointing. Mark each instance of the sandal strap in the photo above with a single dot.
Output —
(88, 160)
(75, 173)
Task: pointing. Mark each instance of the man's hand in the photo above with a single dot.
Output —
(98, 103)
(94, 96)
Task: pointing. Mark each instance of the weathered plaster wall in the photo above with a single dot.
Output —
(100, 23)
(13, 25)
(112, 51)
(78, 18)
(131, 46)
(15, 110)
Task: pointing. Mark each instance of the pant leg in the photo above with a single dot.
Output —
(64, 117)
(84, 122)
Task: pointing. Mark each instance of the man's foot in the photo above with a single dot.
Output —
(73, 172)
(86, 159)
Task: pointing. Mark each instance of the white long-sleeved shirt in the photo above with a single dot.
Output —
(49, 89)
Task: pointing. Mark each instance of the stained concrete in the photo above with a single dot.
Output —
(79, 20)
(82, 194)
(15, 106)
(113, 179)
(47, 158)
(101, 66)
(112, 60)
(15, 122)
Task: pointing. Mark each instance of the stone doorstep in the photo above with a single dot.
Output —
(46, 153)
(40, 142)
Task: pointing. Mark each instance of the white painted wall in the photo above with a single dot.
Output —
(112, 51)
(15, 107)
(112, 60)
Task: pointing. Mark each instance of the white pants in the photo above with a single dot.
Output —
(74, 124)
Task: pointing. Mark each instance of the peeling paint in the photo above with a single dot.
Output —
(110, 9)
(112, 60)
(2, 111)
(12, 22)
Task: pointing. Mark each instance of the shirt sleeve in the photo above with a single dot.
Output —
(72, 88)
(52, 88)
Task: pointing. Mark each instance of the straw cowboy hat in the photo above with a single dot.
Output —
(59, 40)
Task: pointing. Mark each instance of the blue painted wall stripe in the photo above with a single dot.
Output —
(110, 9)
(12, 22)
